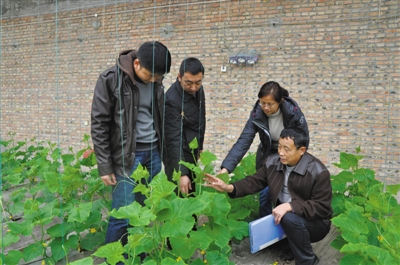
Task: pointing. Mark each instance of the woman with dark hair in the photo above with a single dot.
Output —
(273, 111)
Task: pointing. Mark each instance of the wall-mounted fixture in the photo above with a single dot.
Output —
(243, 56)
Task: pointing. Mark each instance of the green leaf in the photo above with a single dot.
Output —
(24, 228)
(67, 159)
(353, 259)
(139, 173)
(194, 144)
(379, 255)
(180, 219)
(91, 241)
(207, 157)
(338, 242)
(60, 230)
(52, 181)
(216, 258)
(112, 251)
(60, 247)
(344, 176)
(238, 229)
(219, 233)
(33, 251)
(13, 257)
(137, 215)
(161, 188)
(80, 212)
(85, 261)
(8, 239)
(202, 239)
(393, 189)
(348, 161)
(183, 246)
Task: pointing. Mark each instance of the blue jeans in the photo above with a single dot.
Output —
(122, 194)
(265, 207)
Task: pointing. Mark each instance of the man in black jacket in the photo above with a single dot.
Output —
(301, 192)
(184, 120)
(127, 112)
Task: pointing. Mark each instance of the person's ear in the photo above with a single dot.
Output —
(136, 64)
(179, 77)
(303, 149)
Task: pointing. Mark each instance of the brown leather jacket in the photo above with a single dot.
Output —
(309, 185)
(114, 115)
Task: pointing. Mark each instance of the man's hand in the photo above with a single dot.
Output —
(279, 211)
(185, 184)
(109, 180)
(223, 170)
(217, 183)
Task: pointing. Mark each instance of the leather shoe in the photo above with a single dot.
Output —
(287, 255)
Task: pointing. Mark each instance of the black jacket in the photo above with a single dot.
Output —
(258, 123)
(309, 185)
(185, 119)
(114, 114)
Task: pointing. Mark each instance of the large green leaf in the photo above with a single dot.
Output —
(8, 239)
(207, 157)
(202, 239)
(53, 181)
(91, 241)
(219, 233)
(218, 206)
(180, 220)
(33, 251)
(216, 258)
(60, 230)
(161, 188)
(393, 189)
(112, 251)
(183, 246)
(24, 228)
(13, 257)
(137, 215)
(80, 212)
(338, 242)
(60, 246)
(355, 258)
(238, 229)
(139, 173)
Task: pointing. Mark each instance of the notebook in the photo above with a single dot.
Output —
(264, 232)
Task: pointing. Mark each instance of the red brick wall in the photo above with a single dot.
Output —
(339, 59)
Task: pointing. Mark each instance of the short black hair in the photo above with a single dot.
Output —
(191, 65)
(155, 57)
(299, 136)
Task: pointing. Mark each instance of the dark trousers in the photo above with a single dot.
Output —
(301, 232)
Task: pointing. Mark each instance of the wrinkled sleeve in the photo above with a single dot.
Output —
(241, 146)
(101, 119)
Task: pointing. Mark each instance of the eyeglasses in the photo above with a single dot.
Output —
(269, 105)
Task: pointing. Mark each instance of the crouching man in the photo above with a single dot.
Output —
(300, 189)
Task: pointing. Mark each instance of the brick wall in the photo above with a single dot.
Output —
(340, 60)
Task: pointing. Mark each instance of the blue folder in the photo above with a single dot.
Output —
(264, 232)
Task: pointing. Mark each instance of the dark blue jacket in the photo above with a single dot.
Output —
(258, 123)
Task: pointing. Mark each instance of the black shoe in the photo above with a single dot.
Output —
(287, 255)
(316, 260)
